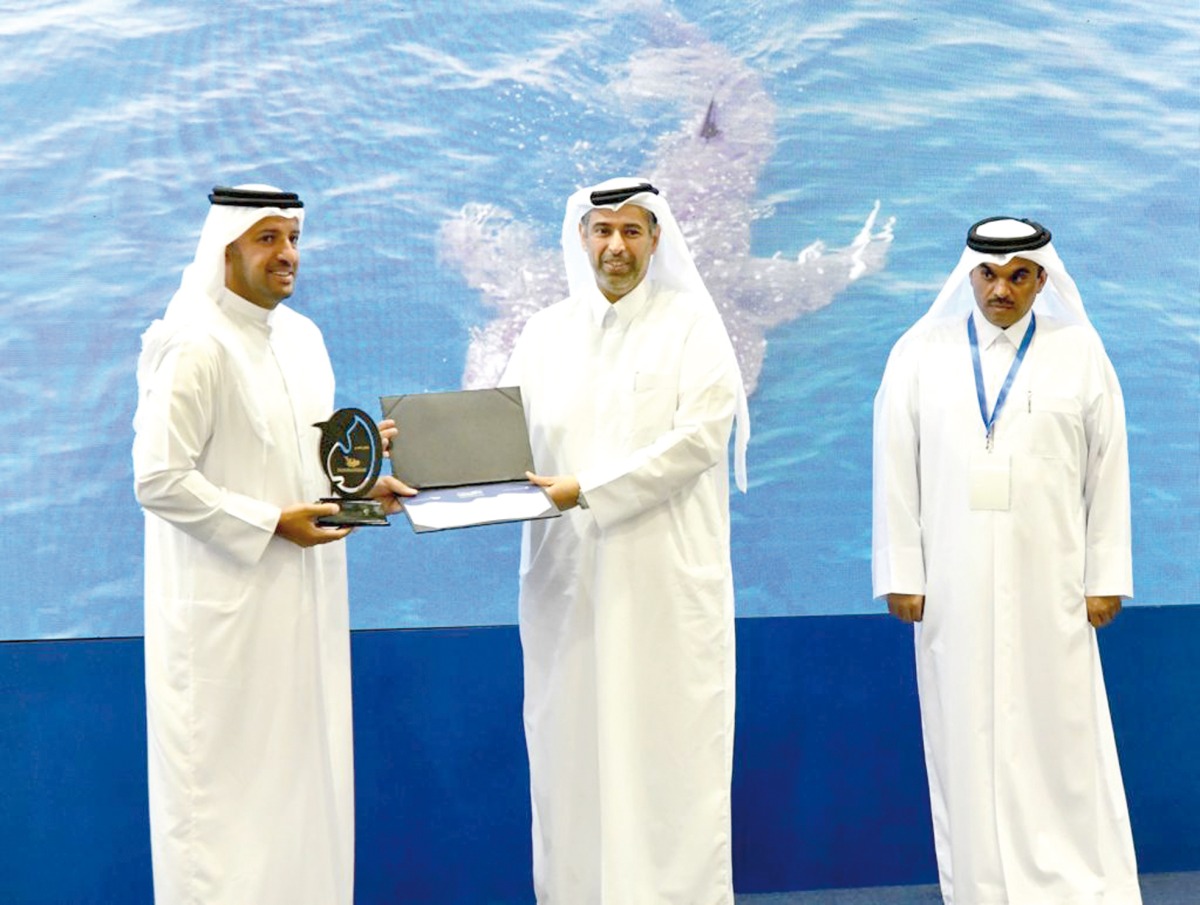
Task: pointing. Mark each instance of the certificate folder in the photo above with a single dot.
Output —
(467, 453)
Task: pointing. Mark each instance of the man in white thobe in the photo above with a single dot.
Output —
(630, 388)
(247, 636)
(1002, 531)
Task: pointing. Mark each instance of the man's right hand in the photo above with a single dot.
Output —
(906, 607)
(299, 524)
(563, 489)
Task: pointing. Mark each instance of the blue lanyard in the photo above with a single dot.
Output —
(990, 421)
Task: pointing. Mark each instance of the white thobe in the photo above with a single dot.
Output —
(626, 608)
(1026, 793)
(247, 635)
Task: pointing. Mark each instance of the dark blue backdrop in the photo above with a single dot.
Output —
(829, 786)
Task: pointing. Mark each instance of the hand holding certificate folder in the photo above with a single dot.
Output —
(467, 453)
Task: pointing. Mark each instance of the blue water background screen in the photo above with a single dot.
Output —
(825, 160)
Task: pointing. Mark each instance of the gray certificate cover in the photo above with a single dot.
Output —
(467, 452)
(459, 438)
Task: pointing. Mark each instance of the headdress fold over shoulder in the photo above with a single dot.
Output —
(234, 210)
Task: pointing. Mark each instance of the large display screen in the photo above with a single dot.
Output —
(825, 161)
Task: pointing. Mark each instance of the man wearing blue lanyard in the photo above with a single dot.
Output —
(1002, 532)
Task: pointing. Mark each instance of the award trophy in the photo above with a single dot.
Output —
(351, 455)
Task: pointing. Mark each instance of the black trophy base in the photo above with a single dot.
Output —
(353, 514)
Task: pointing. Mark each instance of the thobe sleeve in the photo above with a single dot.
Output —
(696, 441)
(511, 375)
(174, 422)
(1108, 557)
(897, 559)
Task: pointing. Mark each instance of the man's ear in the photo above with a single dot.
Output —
(1043, 275)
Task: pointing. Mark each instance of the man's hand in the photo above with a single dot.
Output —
(906, 607)
(299, 524)
(388, 490)
(387, 433)
(1102, 610)
(563, 489)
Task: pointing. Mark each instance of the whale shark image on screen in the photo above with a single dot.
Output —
(708, 169)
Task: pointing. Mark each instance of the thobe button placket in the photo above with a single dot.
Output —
(608, 408)
(998, 359)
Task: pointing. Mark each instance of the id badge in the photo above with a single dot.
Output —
(991, 479)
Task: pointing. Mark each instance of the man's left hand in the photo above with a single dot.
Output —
(387, 433)
(1102, 610)
(563, 489)
(388, 490)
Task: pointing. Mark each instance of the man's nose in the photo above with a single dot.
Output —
(616, 244)
(289, 252)
(1001, 289)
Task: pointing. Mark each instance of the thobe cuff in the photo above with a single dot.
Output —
(245, 535)
(611, 501)
(604, 504)
(899, 571)
(1109, 572)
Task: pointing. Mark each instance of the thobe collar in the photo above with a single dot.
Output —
(989, 333)
(623, 310)
(243, 311)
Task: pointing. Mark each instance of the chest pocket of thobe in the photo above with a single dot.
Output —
(1055, 427)
(654, 402)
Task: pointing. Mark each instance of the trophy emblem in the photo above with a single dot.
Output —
(351, 456)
